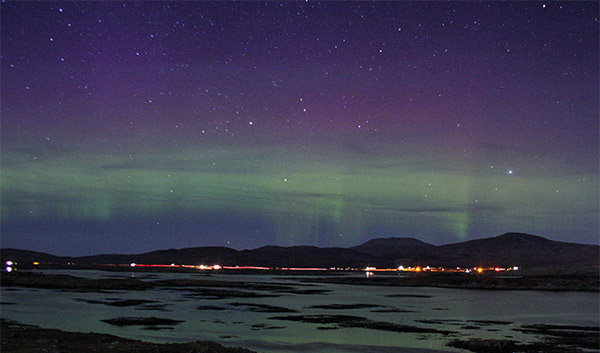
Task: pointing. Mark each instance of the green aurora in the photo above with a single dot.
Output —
(297, 195)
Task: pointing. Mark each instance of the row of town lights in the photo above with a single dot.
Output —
(201, 267)
(458, 269)
(369, 269)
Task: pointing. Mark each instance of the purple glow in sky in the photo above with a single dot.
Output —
(134, 126)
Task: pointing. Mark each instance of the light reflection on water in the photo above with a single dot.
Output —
(234, 325)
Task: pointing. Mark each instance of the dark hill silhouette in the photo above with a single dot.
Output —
(28, 256)
(398, 247)
(192, 256)
(303, 256)
(517, 249)
(510, 249)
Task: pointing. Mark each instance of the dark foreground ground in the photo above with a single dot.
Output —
(20, 338)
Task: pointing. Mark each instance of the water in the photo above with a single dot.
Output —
(438, 308)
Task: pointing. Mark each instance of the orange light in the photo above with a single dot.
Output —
(479, 270)
(418, 269)
(36, 263)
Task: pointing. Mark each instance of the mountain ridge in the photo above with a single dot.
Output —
(508, 249)
(388, 246)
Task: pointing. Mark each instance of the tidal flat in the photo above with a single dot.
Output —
(274, 313)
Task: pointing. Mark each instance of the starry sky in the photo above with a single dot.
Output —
(135, 126)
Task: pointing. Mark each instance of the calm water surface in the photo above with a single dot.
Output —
(455, 310)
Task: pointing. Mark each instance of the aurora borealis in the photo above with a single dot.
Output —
(136, 126)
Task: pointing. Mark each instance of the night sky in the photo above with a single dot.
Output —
(135, 126)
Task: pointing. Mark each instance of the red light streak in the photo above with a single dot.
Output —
(367, 269)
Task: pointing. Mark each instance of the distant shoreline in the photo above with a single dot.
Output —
(578, 283)
(491, 281)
